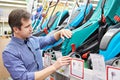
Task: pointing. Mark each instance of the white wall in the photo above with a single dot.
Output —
(6, 6)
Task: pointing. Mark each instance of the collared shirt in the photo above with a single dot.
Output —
(22, 58)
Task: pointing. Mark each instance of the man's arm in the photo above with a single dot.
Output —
(40, 75)
(19, 72)
(51, 39)
(62, 33)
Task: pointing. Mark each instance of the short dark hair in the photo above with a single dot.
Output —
(15, 17)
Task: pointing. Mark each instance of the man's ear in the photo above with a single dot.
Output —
(15, 29)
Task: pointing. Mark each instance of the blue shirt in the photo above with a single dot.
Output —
(23, 58)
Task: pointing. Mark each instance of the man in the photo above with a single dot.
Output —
(22, 56)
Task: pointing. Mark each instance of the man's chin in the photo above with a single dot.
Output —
(30, 35)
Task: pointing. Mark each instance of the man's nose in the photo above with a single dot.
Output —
(31, 28)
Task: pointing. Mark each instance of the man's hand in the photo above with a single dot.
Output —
(63, 33)
(41, 75)
(62, 62)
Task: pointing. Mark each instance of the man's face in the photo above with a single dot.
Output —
(26, 29)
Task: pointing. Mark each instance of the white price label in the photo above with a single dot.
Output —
(47, 59)
(113, 73)
(98, 65)
(77, 68)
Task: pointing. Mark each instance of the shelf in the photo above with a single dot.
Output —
(4, 20)
(12, 5)
(9, 3)
(13, 2)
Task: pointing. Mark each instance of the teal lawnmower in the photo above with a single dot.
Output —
(54, 20)
(109, 46)
(82, 14)
(77, 18)
(88, 33)
(86, 37)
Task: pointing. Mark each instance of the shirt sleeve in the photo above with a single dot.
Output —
(47, 40)
(16, 67)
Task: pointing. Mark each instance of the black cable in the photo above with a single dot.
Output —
(77, 3)
(46, 14)
(102, 24)
(86, 8)
(102, 6)
(52, 14)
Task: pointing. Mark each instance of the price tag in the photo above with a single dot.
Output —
(58, 54)
(77, 68)
(98, 65)
(113, 73)
(47, 59)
